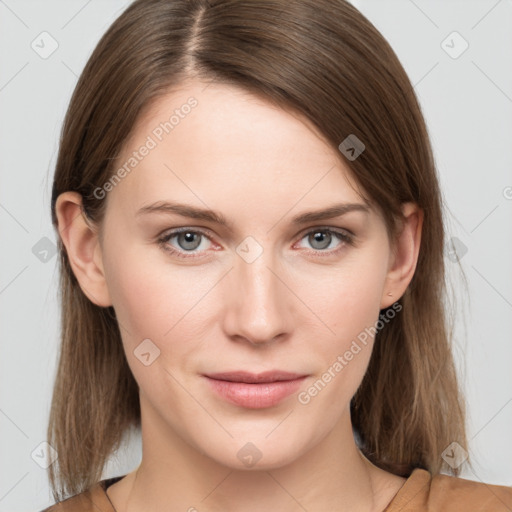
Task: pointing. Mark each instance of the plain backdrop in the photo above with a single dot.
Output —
(458, 56)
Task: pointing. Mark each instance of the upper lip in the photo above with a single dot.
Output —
(247, 377)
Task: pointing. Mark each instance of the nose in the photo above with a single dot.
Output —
(260, 307)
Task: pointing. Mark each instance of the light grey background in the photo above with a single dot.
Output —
(467, 102)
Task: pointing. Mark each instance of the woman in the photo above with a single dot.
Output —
(251, 245)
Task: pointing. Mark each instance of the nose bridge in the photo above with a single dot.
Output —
(259, 306)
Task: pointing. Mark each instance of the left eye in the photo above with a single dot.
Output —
(188, 241)
(321, 239)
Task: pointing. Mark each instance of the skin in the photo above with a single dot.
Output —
(259, 166)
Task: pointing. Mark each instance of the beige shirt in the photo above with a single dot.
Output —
(420, 493)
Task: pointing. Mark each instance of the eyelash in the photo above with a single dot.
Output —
(344, 237)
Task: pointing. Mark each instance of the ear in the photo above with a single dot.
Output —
(405, 250)
(80, 237)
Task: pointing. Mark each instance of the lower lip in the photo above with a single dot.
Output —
(255, 396)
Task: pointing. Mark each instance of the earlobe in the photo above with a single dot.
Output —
(405, 255)
(82, 247)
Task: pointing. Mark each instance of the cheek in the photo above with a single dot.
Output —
(347, 298)
(158, 301)
(349, 304)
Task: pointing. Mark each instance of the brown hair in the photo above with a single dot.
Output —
(326, 61)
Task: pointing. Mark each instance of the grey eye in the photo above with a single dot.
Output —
(186, 240)
(321, 237)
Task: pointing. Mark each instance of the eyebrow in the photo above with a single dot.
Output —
(185, 210)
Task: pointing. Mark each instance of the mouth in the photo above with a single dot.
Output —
(255, 378)
(255, 391)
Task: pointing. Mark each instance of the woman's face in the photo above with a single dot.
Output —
(276, 288)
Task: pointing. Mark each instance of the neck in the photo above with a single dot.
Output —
(173, 475)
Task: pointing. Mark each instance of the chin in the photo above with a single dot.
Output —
(255, 453)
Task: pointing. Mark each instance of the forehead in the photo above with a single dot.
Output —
(218, 142)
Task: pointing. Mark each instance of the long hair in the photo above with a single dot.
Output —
(326, 61)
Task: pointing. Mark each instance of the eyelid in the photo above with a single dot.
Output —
(333, 229)
(209, 234)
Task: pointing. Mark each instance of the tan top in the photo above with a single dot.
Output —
(420, 493)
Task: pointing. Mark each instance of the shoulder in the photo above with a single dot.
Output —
(94, 499)
(83, 502)
(449, 493)
(423, 492)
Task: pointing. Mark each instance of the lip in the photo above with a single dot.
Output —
(255, 391)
